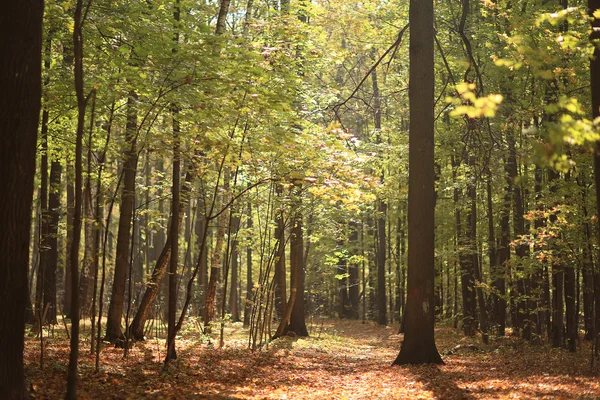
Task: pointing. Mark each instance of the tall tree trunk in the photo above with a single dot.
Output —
(465, 258)
(503, 252)
(174, 242)
(354, 281)
(90, 252)
(69, 227)
(558, 278)
(235, 267)
(20, 78)
(43, 239)
(297, 318)
(587, 274)
(381, 209)
(81, 106)
(53, 220)
(419, 343)
(472, 235)
(521, 311)
(201, 231)
(115, 309)
(279, 276)
(593, 6)
(342, 279)
(249, 279)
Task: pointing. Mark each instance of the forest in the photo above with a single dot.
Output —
(300, 199)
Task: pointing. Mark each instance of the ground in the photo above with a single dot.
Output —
(341, 360)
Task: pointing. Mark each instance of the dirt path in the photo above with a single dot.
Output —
(342, 360)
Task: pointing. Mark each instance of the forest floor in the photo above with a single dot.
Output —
(340, 360)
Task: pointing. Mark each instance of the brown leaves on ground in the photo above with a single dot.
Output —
(341, 360)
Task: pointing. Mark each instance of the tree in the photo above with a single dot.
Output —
(419, 343)
(593, 7)
(20, 101)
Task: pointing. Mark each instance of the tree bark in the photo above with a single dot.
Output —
(174, 242)
(279, 276)
(53, 219)
(419, 346)
(20, 79)
(249, 279)
(235, 267)
(354, 281)
(115, 309)
(81, 106)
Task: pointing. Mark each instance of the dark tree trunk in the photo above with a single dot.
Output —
(81, 106)
(588, 277)
(419, 343)
(297, 323)
(472, 235)
(69, 220)
(543, 315)
(381, 210)
(503, 252)
(43, 239)
(235, 267)
(20, 79)
(381, 253)
(354, 281)
(90, 252)
(593, 6)
(115, 309)
(202, 261)
(279, 278)
(518, 293)
(372, 271)
(53, 219)
(174, 242)
(571, 315)
(342, 278)
(249, 279)
(465, 259)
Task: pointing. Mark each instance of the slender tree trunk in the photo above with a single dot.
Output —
(503, 252)
(20, 78)
(90, 252)
(593, 6)
(342, 280)
(249, 279)
(53, 219)
(81, 106)
(235, 265)
(588, 276)
(381, 210)
(354, 280)
(472, 234)
(279, 278)
(115, 310)
(69, 220)
(43, 239)
(174, 242)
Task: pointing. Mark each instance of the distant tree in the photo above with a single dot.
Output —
(20, 99)
(419, 344)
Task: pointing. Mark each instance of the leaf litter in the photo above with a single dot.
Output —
(341, 360)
